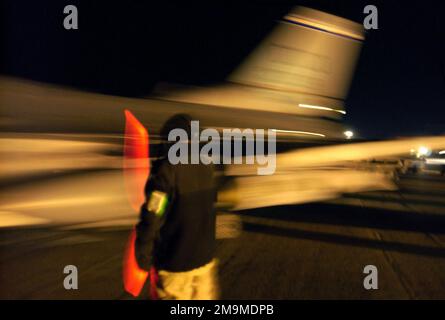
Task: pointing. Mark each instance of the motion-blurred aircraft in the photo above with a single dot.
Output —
(62, 149)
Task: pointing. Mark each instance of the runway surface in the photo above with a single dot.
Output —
(312, 251)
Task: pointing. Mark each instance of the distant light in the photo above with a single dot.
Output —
(308, 106)
(300, 132)
(442, 152)
(423, 151)
(349, 134)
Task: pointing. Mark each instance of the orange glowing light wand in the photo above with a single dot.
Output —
(136, 167)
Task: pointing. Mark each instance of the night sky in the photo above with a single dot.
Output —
(126, 47)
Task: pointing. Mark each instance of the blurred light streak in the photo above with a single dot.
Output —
(317, 20)
(299, 132)
(334, 155)
(61, 202)
(308, 106)
(435, 161)
(248, 192)
(13, 219)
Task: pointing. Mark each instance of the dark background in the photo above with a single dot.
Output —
(126, 47)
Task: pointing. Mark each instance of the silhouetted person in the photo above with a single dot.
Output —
(176, 231)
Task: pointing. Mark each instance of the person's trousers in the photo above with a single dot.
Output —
(197, 284)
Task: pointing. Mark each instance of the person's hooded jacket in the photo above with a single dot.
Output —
(176, 230)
